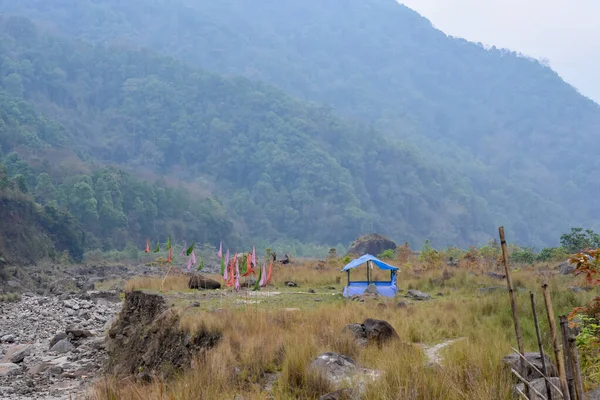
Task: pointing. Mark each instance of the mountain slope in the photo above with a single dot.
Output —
(508, 124)
(287, 168)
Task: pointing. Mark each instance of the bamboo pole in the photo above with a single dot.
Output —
(557, 351)
(538, 371)
(576, 367)
(541, 347)
(511, 293)
(564, 328)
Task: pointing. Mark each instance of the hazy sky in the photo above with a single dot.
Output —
(566, 32)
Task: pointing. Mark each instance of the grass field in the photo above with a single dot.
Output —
(271, 336)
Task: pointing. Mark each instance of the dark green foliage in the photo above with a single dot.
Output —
(505, 127)
(578, 240)
(523, 255)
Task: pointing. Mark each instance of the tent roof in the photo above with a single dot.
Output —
(367, 257)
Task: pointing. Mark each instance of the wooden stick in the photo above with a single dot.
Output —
(541, 347)
(564, 328)
(527, 384)
(576, 367)
(557, 351)
(538, 371)
(511, 293)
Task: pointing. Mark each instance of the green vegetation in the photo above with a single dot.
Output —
(506, 128)
(287, 169)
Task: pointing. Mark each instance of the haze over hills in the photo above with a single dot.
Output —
(502, 135)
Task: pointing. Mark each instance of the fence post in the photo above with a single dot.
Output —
(541, 347)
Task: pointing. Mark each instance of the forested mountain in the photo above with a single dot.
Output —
(287, 168)
(507, 124)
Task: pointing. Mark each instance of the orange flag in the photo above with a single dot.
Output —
(269, 274)
(147, 246)
(249, 269)
(231, 277)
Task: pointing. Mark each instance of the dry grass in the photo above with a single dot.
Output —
(265, 351)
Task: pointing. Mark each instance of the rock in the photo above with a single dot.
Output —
(373, 244)
(371, 289)
(8, 339)
(357, 331)
(311, 291)
(379, 331)
(71, 304)
(576, 289)
(401, 304)
(39, 368)
(291, 284)
(496, 275)
(539, 384)
(513, 361)
(9, 369)
(342, 394)
(334, 367)
(78, 332)
(57, 338)
(418, 295)
(17, 353)
(54, 370)
(63, 346)
(492, 289)
(248, 283)
(593, 394)
(13, 284)
(566, 268)
(201, 282)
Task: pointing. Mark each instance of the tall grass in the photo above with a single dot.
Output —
(260, 345)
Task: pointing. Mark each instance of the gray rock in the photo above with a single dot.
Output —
(78, 332)
(357, 331)
(496, 275)
(374, 244)
(54, 370)
(63, 346)
(492, 289)
(566, 268)
(57, 338)
(576, 289)
(10, 369)
(13, 284)
(378, 331)
(335, 367)
(8, 338)
(97, 343)
(72, 304)
(291, 284)
(418, 295)
(342, 394)
(17, 353)
(371, 289)
(513, 361)
(539, 384)
(593, 394)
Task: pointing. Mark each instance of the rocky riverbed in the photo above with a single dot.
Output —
(52, 347)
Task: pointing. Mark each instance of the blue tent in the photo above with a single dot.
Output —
(385, 288)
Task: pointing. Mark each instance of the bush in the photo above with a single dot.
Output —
(388, 254)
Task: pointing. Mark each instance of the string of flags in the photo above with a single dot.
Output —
(230, 268)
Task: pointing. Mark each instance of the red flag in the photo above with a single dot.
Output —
(269, 274)
(170, 259)
(249, 269)
(147, 246)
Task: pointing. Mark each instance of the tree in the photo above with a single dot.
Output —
(44, 189)
(578, 240)
(21, 183)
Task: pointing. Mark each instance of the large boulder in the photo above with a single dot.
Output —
(418, 295)
(373, 244)
(201, 282)
(334, 367)
(17, 353)
(371, 331)
(10, 369)
(539, 384)
(566, 268)
(513, 361)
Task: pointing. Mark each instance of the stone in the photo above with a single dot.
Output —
(98, 343)
(71, 304)
(8, 338)
(513, 361)
(17, 353)
(13, 284)
(10, 369)
(539, 384)
(372, 289)
(333, 366)
(342, 394)
(57, 338)
(576, 289)
(311, 291)
(201, 282)
(402, 304)
(492, 289)
(357, 331)
(379, 331)
(39, 368)
(418, 295)
(566, 268)
(54, 370)
(248, 283)
(78, 332)
(373, 244)
(496, 275)
(291, 284)
(63, 346)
